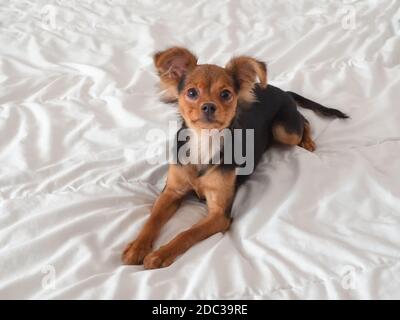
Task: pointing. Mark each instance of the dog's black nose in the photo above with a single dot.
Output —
(209, 108)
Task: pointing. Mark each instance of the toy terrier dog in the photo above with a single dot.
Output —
(217, 98)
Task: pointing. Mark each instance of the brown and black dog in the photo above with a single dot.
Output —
(212, 97)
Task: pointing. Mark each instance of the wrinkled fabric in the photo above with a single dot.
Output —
(78, 95)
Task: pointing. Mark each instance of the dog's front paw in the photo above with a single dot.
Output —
(158, 259)
(135, 252)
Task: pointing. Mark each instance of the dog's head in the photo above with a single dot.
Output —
(208, 95)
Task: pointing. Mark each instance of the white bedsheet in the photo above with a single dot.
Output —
(78, 95)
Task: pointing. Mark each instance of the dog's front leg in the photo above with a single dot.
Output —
(215, 222)
(165, 206)
(218, 189)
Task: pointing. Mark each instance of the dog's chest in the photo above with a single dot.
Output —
(196, 177)
(204, 148)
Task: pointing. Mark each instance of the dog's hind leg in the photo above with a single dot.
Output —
(288, 126)
(285, 135)
(307, 142)
(291, 128)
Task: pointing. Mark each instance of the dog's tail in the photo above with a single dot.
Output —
(316, 107)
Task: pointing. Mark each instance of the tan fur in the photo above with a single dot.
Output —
(307, 142)
(218, 189)
(210, 81)
(246, 70)
(215, 186)
(281, 135)
(165, 206)
(171, 64)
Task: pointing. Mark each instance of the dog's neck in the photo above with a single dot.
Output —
(207, 146)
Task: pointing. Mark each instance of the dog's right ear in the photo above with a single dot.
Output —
(172, 66)
(246, 71)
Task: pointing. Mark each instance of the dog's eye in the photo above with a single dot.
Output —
(225, 94)
(192, 93)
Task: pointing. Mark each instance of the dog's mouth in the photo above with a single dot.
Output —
(207, 123)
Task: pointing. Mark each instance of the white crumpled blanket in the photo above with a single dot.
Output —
(78, 95)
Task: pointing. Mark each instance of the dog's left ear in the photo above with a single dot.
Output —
(172, 66)
(247, 72)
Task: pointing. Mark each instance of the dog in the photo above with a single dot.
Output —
(212, 97)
